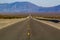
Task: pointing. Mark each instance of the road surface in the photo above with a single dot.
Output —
(29, 29)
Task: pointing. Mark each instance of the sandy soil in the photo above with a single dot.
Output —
(6, 22)
(56, 25)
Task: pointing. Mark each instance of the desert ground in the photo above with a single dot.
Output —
(6, 22)
(56, 25)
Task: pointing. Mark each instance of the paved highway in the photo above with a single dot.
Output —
(30, 29)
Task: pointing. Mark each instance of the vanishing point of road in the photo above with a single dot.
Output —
(29, 29)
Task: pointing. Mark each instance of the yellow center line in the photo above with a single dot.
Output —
(28, 33)
(28, 27)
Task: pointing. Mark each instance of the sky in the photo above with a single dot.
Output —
(44, 3)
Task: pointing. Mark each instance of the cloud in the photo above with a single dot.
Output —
(45, 3)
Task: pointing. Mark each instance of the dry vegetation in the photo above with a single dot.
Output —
(11, 16)
(53, 15)
(47, 15)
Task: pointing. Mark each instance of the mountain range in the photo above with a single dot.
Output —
(26, 7)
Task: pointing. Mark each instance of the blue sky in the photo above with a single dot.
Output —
(44, 3)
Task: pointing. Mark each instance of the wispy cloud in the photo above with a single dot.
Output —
(45, 3)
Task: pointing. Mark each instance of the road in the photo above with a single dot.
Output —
(29, 29)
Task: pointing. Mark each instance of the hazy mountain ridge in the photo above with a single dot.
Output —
(26, 7)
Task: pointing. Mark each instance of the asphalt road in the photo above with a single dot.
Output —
(29, 29)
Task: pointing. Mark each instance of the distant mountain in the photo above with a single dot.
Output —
(51, 9)
(26, 7)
